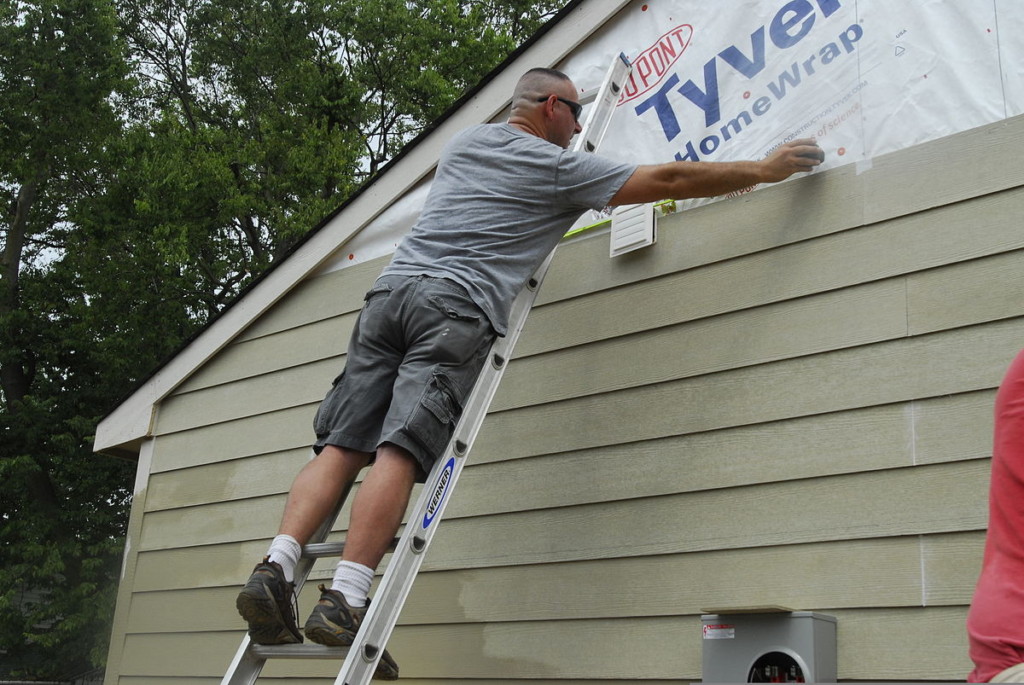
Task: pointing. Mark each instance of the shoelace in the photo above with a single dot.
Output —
(295, 604)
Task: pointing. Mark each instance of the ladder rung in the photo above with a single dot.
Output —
(319, 550)
(310, 651)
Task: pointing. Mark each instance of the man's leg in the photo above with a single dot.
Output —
(316, 490)
(376, 515)
(380, 505)
(266, 601)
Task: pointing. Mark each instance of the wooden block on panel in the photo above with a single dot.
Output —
(186, 610)
(205, 654)
(806, 577)
(950, 566)
(197, 567)
(897, 644)
(938, 498)
(319, 298)
(953, 427)
(969, 292)
(258, 476)
(890, 644)
(902, 644)
(982, 226)
(854, 316)
(156, 680)
(953, 362)
(294, 347)
(624, 648)
(921, 177)
(948, 428)
(214, 523)
(211, 565)
(828, 444)
(257, 396)
(262, 434)
(905, 571)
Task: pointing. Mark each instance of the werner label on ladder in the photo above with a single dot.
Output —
(433, 339)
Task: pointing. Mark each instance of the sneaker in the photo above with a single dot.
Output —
(334, 623)
(268, 605)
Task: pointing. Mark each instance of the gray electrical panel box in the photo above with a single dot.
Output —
(783, 647)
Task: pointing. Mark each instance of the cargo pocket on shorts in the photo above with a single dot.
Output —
(323, 420)
(433, 421)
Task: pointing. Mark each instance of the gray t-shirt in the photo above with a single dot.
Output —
(499, 203)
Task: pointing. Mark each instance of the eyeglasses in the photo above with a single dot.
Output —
(576, 107)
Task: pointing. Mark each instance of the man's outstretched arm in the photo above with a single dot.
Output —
(681, 180)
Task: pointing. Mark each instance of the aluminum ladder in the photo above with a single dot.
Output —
(361, 658)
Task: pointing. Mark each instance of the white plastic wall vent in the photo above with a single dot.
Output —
(633, 227)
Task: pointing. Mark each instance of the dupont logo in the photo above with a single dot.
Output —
(443, 481)
(654, 62)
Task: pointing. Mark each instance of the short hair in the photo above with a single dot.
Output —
(536, 83)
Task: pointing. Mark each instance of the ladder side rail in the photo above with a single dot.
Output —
(395, 585)
(426, 515)
(600, 116)
(245, 667)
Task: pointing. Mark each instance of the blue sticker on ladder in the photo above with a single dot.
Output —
(440, 492)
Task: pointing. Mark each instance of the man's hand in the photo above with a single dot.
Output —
(791, 158)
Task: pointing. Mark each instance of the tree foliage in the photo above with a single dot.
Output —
(61, 515)
(155, 156)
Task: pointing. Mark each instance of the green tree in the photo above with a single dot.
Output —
(256, 119)
(62, 517)
(155, 157)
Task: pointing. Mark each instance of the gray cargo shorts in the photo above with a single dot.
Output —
(416, 351)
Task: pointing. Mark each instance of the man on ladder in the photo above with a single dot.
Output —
(502, 198)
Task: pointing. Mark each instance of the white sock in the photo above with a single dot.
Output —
(286, 550)
(353, 580)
